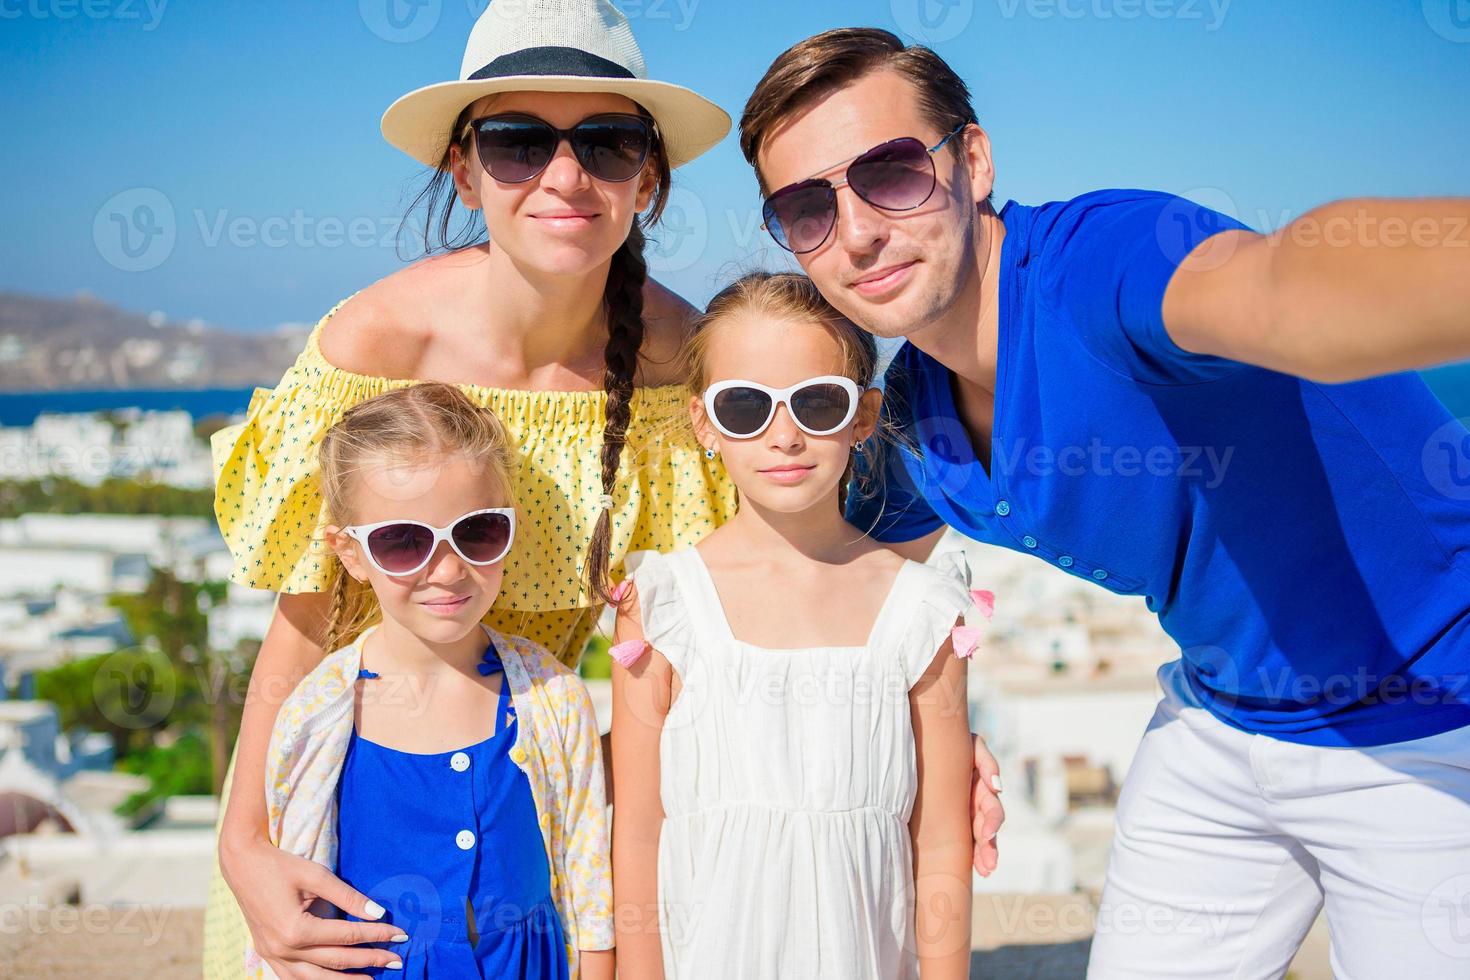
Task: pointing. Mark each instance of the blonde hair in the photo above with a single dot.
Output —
(794, 297)
(415, 424)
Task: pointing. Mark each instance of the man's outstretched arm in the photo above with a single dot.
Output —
(1350, 290)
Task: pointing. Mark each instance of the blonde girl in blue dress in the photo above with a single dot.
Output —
(791, 748)
(450, 770)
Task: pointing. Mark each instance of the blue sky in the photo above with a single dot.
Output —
(245, 135)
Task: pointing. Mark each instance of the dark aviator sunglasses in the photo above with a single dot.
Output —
(894, 176)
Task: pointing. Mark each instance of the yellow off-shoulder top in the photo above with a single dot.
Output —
(668, 495)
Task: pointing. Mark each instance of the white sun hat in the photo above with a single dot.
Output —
(553, 46)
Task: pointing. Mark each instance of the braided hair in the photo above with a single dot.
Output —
(623, 297)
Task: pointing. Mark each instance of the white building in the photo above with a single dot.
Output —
(42, 571)
(31, 739)
(1062, 687)
(244, 615)
(89, 448)
(60, 837)
(190, 547)
(57, 570)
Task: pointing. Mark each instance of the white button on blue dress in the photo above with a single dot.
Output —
(1065, 561)
(465, 839)
(459, 762)
(1002, 507)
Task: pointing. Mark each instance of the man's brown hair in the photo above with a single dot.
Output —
(812, 69)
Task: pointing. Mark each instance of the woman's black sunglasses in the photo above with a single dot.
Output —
(516, 147)
(895, 176)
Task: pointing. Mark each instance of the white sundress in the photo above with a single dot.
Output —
(787, 778)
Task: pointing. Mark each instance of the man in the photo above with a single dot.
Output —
(1149, 395)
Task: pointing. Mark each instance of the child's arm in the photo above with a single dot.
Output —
(588, 854)
(940, 825)
(641, 696)
(597, 964)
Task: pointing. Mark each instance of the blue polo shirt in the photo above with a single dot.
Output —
(1307, 545)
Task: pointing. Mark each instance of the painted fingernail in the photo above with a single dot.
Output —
(396, 965)
(992, 836)
(995, 781)
(400, 938)
(372, 910)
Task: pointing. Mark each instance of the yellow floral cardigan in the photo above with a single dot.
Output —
(559, 751)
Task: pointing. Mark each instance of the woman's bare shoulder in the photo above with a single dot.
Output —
(668, 320)
(382, 331)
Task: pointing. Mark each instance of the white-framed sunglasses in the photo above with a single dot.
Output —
(481, 537)
(819, 406)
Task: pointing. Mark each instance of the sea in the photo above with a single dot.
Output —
(1450, 383)
(21, 408)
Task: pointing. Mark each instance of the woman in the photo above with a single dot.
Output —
(554, 133)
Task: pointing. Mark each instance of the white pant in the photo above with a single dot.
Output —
(1228, 844)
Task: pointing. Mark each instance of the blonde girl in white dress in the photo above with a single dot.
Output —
(792, 757)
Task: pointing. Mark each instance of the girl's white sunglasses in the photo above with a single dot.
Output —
(819, 406)
(481, 537)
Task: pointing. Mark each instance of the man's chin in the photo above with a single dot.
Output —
(887, 321)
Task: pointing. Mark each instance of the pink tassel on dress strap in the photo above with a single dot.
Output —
(629, 652)
(965, 639)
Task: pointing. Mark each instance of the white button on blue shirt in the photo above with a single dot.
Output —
(459, 762)
(465, 839)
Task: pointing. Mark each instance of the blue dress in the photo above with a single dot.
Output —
(449, 843)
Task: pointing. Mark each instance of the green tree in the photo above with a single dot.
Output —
(182, 768)
(114, 495)
(168, 688)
